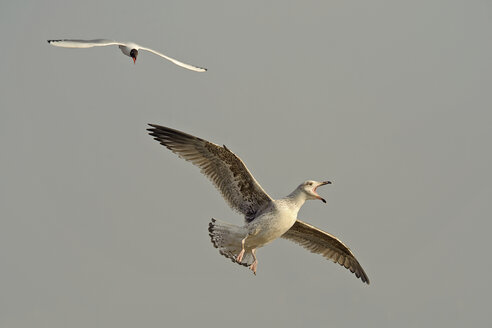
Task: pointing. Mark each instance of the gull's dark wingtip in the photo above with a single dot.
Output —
(362, 276)
(152, 131)
(153, 127)
(200, 69)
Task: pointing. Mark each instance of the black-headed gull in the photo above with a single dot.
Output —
(128, 48)
(266, 219)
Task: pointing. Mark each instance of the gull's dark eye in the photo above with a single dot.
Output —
(310, 183)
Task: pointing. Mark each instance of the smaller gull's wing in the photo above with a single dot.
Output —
(67, 43)
(177, 62)
(320, 242)
(227, 171)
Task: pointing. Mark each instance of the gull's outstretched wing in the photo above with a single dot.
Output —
(319, 242)
(227, 171)
(67, 43)
(175, 61)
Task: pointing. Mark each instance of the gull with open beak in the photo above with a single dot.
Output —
(266, 219)
(318, 184)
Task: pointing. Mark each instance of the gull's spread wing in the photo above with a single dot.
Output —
(68, 43)
(175, 61)
(227, 171)
(319, 242)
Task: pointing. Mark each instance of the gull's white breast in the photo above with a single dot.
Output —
(271, 224)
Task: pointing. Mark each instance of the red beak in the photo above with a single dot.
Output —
(134, 59)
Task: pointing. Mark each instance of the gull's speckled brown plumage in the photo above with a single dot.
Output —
(266, 219)
(227, 171)
(330, 247)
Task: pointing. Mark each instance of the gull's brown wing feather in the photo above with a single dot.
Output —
(227, 171)
(320, 242)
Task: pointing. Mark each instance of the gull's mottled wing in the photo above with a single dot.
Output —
(220, 165)
(175, 61)
(67, 43)
(320, 242)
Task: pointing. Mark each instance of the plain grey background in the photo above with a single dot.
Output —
(103, 227)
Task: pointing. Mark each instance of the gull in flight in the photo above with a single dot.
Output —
(128, 48)
(266, 219)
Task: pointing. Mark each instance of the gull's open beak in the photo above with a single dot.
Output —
(321, 184)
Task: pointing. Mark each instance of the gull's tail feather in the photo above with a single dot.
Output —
(227, 238)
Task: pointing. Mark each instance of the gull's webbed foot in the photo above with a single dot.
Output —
(254, 266)
(239, 257)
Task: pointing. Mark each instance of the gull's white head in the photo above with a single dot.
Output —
(309, 188)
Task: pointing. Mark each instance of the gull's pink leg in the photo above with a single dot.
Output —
(255, 263)
(239, 257)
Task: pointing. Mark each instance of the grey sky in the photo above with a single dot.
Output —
(391, 100)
